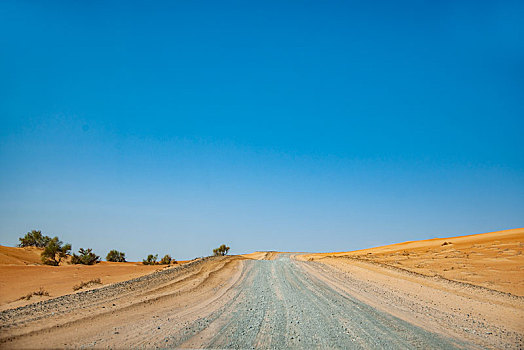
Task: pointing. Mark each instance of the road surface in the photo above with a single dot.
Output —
(229, 302)
(278, 305)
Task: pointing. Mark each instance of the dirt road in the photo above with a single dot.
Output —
(234, 302)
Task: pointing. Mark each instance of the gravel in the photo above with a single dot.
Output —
(68, 303)
(279, 306)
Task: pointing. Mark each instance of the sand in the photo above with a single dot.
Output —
(492, 260)
(21, 273)
(130, 315)
(468, 287)
(237, 302)
(271, 255)
(482, 316)
(20, 256)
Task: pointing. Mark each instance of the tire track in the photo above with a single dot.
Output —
(278, 305)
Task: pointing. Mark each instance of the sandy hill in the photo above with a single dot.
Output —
(493, 260)
(20, 256)
(22, 272)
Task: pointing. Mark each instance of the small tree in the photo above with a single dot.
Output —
(34, 239)
(221, 251)
(85, 257)
(116, 256)
(54, 252)
(166, 260)
(151, 259)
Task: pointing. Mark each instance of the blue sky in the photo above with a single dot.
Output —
(173, 127)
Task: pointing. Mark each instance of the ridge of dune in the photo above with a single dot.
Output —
(510, 235)
(493, 260)
(22, 273)
(20, 256)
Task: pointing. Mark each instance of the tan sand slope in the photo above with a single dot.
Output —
(21, 273)
(20, 256)
(493, 260)
(270, 255)
(18, 281)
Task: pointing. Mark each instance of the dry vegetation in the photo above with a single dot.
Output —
(91, 283)
(41, 292)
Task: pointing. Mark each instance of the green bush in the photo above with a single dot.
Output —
(54, 252)
(85, 257)
(167, 260)
(151, 259)
(34, 239)
(116, 256)
(220, 251)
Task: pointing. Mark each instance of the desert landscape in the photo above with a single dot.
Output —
(458, 292)
(261, 174)
(23, 273)
(493, 260)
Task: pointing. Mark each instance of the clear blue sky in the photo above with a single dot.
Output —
(175, 126)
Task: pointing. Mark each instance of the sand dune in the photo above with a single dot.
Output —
(492, 260)
(21, 273)
(20, 256)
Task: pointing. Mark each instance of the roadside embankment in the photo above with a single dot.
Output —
(492, 260)
(124, 314)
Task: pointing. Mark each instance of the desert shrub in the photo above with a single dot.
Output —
(34, 239)
(85, 257)
(222, 250)
(40, 292)
(151, 259)
(87, 284)
(116, 256)
(167, 260)
(54, 252)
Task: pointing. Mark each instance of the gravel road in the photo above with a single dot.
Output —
(278, 305)
(229, 302)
